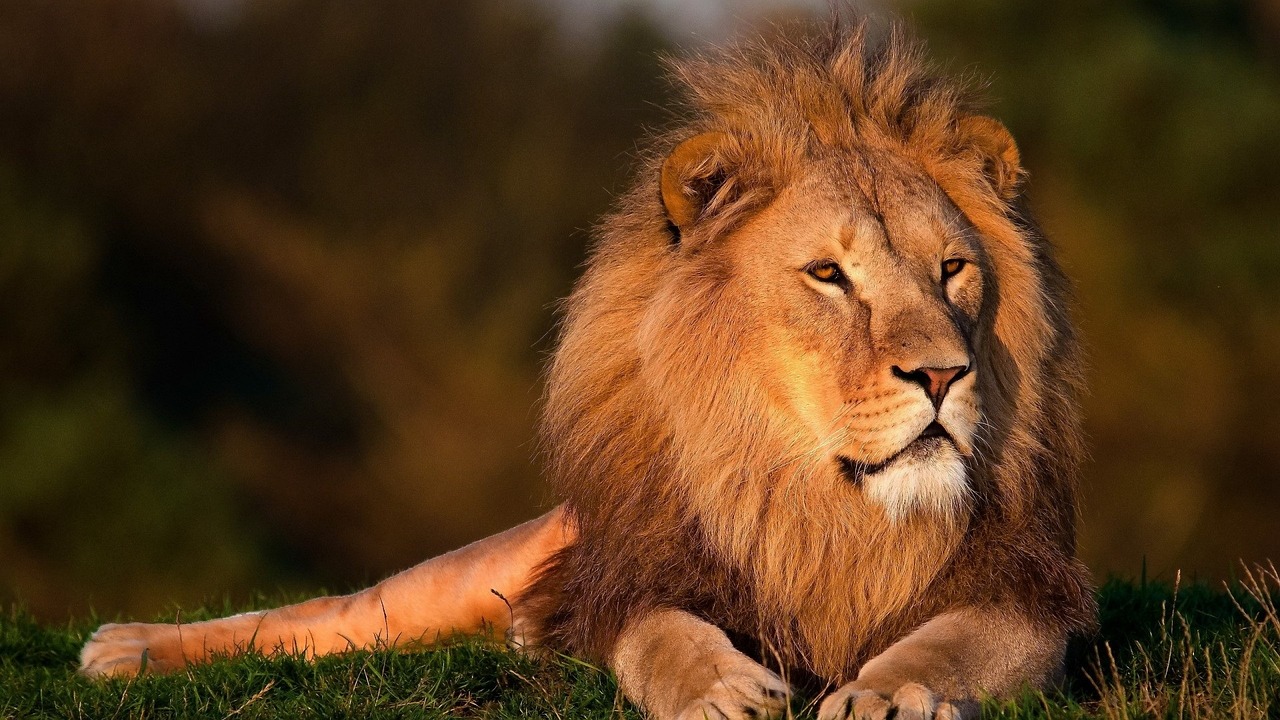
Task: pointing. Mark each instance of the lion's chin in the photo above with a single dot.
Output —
(928, 476)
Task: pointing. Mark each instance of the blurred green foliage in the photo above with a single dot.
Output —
(276, 290)
(276, 284)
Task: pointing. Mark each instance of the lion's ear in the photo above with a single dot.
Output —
(1002, 163)
(692, 175)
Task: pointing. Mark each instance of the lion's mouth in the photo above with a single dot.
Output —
(925, 444)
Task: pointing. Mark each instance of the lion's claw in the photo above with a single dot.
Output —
(749, 693)
(909, 702)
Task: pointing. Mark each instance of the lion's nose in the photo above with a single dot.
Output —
(935, 381)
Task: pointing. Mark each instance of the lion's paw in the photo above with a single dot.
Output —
(909, 702)
(746, 691)
(128, 649)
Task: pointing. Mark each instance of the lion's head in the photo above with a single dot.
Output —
(841, 315)
(819, 345)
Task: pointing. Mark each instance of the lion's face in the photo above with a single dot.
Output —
(853, 298)
(869, 289)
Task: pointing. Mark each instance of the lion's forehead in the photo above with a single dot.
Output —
(901, 212)
(887, 235)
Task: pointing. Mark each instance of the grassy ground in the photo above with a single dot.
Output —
(1163, 651)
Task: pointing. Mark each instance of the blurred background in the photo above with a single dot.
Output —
(277, 278)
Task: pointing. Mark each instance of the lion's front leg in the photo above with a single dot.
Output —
(679, 667)
(944, 669)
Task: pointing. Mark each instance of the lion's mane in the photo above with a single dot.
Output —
(688, 493)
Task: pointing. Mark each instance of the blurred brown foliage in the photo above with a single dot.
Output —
(276, 282)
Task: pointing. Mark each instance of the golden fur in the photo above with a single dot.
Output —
(744, 447)
(668, 395)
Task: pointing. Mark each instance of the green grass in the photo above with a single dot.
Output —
(1164, 650)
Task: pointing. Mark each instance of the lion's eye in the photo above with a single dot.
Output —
(826, 271)
(950, 268)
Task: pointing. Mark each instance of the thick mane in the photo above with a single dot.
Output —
(689, 491)
(788, 96)
(834, 88)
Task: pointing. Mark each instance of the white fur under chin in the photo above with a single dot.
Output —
(936, 484)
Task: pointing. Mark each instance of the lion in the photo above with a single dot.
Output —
(812, 413)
